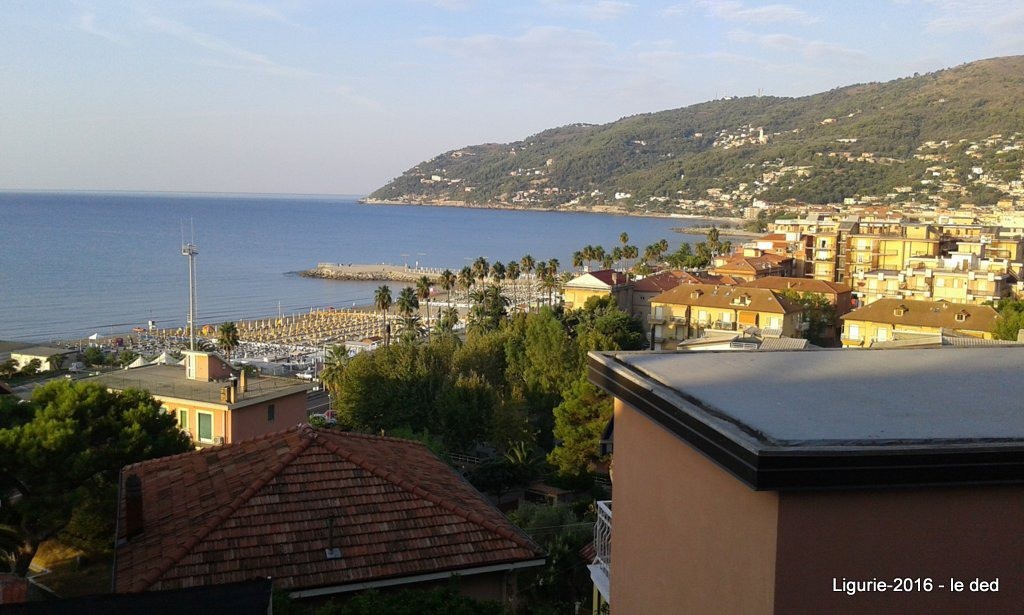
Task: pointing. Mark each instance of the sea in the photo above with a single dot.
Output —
(75, 264)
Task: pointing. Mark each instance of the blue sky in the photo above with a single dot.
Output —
(314, 96)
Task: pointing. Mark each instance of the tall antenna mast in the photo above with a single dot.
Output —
(191, 250)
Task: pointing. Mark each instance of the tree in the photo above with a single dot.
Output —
(55, 361)
(227, 338)
(1010, 320)
(126, 357)
(32, 367)
(438, 601)
(423, 294)
(382, 301)
(464, 411)
(528, 264)
(93, 355)
(448, 280)
(334, 364)
(8, 368)
(65, 458)
(512, 272)
(579, 422)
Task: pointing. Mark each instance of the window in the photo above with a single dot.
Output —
(882, 334)
(183, 419)
(205, 421)
(270, 413)
(853, 332)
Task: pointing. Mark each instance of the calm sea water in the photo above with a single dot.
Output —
(73, 264)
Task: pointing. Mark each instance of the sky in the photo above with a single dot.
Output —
(339, 97)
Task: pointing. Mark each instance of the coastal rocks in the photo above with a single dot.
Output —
(369, 273)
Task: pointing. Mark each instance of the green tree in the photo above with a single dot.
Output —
(423, 294)
(125, 357)
(32, 367)
(335, 361)
(8, 368)
(448, 280)
(464, 411)
(579, 422)
(382, 301)
(227, 338)
(439, 601)
(67, 456)
(93, 355)
(1010, 320)
(55, 361)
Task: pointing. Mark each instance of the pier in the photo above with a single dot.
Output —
(371, 273)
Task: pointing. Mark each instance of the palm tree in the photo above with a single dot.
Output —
(624, 238)
(617, 256)
(335, 361)
(630, 252)
(512, 273)
(447, 320)
(423, 294)
(497, 273)
(407, 303)
(577, 261)
(382, 300)
(598, 254)
(448, 280)
(528, 265)
(227, 338)
(481, 268)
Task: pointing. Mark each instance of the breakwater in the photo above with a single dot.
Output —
(370, 273)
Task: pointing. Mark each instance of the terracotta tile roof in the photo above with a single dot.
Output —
(605, 277)
(660, 282)
(804, 285)
(937, 314)
(751, 264)
(267, 507)
(710, 295)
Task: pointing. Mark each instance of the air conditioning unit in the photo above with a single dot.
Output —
(218, 440)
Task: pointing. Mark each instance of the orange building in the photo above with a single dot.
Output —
(814, 482)
(214, 403)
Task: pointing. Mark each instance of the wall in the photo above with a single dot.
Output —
(962, 532)
(219, 414)
(686, 536)
(251, 421)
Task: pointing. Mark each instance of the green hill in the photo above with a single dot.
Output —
(865, 139)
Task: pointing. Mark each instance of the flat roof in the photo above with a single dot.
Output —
(170, 381)
(837, 417)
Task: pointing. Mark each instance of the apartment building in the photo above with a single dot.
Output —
(888, 320)
(789, 482)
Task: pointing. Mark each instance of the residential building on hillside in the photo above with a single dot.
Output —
(887, 320)
(649, 287)
(321, 512)
(745, 268)
(603, 283)
(839, 296)
(788, 482)
(696, 310)
(213, 402)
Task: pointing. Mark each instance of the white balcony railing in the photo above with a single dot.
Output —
(601, 569)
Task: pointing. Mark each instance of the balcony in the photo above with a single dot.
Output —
(601, 569)
(656, 320)
(724, 325)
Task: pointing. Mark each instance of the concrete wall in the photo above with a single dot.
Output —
(963, 533)
(686, 536)
(251, 421)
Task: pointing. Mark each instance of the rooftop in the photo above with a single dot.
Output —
(170, 381)
(838, 417)
(273, 506)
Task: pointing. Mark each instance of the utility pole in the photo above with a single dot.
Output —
(191, 250)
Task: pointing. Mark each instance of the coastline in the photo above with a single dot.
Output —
(608, 210)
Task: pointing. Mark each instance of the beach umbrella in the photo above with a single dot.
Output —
(138, 362)
(94, 336)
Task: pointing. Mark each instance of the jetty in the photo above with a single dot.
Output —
(371, 273)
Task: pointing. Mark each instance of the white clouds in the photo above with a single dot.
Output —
(732, 10)
(809, 49)
(1001, 18)
(599, 10)
(544, 57)
(241, 59)
(87, 23)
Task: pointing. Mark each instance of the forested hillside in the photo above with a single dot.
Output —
(866, 139)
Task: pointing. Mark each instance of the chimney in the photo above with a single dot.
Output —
(243, 383)
(133, 523)
(232, 390)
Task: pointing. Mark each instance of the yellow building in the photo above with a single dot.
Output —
(888, 320)
(695, 310)
(598, 284)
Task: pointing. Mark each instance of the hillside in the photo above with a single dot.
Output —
(867, 139)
